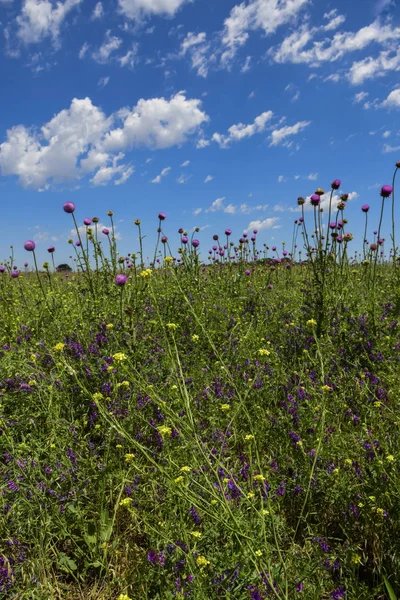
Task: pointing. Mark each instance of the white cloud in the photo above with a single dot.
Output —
(198, 48)
(111, 44)
(208, 178)
(138, 9)
(278, 136)
(98, 11)
(360, 97)
(334, 20)
(186, 163)
(129, 59)
(393, 100)
(244, 209)
(83, 50)
(103, 81)
(369, 67)
(293, 89)
(163, 173)
(240, 131)
(312, 176)
(197, 211)
(281, 179)
(387, 148)
(266, 224)
(301, 46)
(106, 173)
(183, 179)
(217, 205)
(386, 134)
(278, 208)
(41, 18)
(325, 199)
(82, 140)
(246, 66)
(267, 15)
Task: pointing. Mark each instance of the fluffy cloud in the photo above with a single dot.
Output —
(278, 136)
(387, 148)
(41, 18)
(163, 173)
(111, 44)
(370, 67)
(301, 47)
(267, 15)
(138, 9)
(240, 131)
(265, 224)
(82, 140)
(208, 178)
(393, 100)
(198, 48)
(98, 11)
(244, 209)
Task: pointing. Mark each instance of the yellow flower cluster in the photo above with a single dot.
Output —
(249, 437)
(123, 597)
(264, 352)
(146, 273)
(326, 388)
(129, 458)
(179, 479)
(119, 357)
(126, 502)
(225, 407)
(202, 561)
(59, 347)
(195, 338)
(172, 326)
(164, 430)
(311, 322)
(97, 396)
(168, 259)
(186, 469)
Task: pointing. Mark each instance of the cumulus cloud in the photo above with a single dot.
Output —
(266, 15)
(269, 223)
(240, 131)
(163, 173)
(393, 100)
(370, 67)
(40, 19)
(278, 136)
(138, 9)
(82, 140)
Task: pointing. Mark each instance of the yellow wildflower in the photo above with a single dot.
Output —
(372, 498)
(195, 534)
(250, 495)
(31, 382)
(348, 461)
(356, 559)
(118, 446)
(380, 512)
(258, 553)
(97, 396)
(164, 430)
(186, 469)
(129, 458)
(258, 477)
(326, 388)
(202, 561)
(172, 326)
(146, 273)
(225, 407)
(336, 471)
(265, 512)
(264, 352)
(168, 259)
(390, 458)
(195, 338)
(179, 479)
(123, 597)
(311, 322)
(125, 502)
(249, 437)
(110, 326)
(33, 357)
(59, 347)
(119, 357)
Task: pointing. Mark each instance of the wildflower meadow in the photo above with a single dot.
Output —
(213, 422)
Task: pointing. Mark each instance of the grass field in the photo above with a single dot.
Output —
(205, 431)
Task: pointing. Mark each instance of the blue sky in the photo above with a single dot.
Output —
(218, 113)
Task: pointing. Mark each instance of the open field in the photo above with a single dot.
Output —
(228, 430)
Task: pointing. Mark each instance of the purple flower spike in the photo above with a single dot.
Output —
(29, 245)
(121, 280)
(386, 190)
(195, 243)
(365, 208)
(162, 216)
(315, 199)
(105, 231)
(87, 222)
(69, 207)
(51, 249)
(335, 185)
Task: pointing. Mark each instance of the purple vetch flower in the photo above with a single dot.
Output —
(30, 245)
(338, 593)
(121, 280)
(51, 249)
(87, 222)
(335, 185)
(162, 216)
(195, 243)
(69, 207)
(365, 208)
(195, 515)
(386, 191)
(105, 231)
(315, 199)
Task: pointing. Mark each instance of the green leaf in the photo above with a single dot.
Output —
(389, 589)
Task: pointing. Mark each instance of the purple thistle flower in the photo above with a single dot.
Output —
(162, 216)
(184, 240)
(195, 243)
(315, 199)
(2, 269)
(247, 272)
(164, 239)
(386, 191)
(105, 231)
(228, 232)
(15, 274)
(121, 280)
(255, 231)
(365, 208)
(335, 185)
(30, 245)
(51, 249)
(69, 207)
(87, 222)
